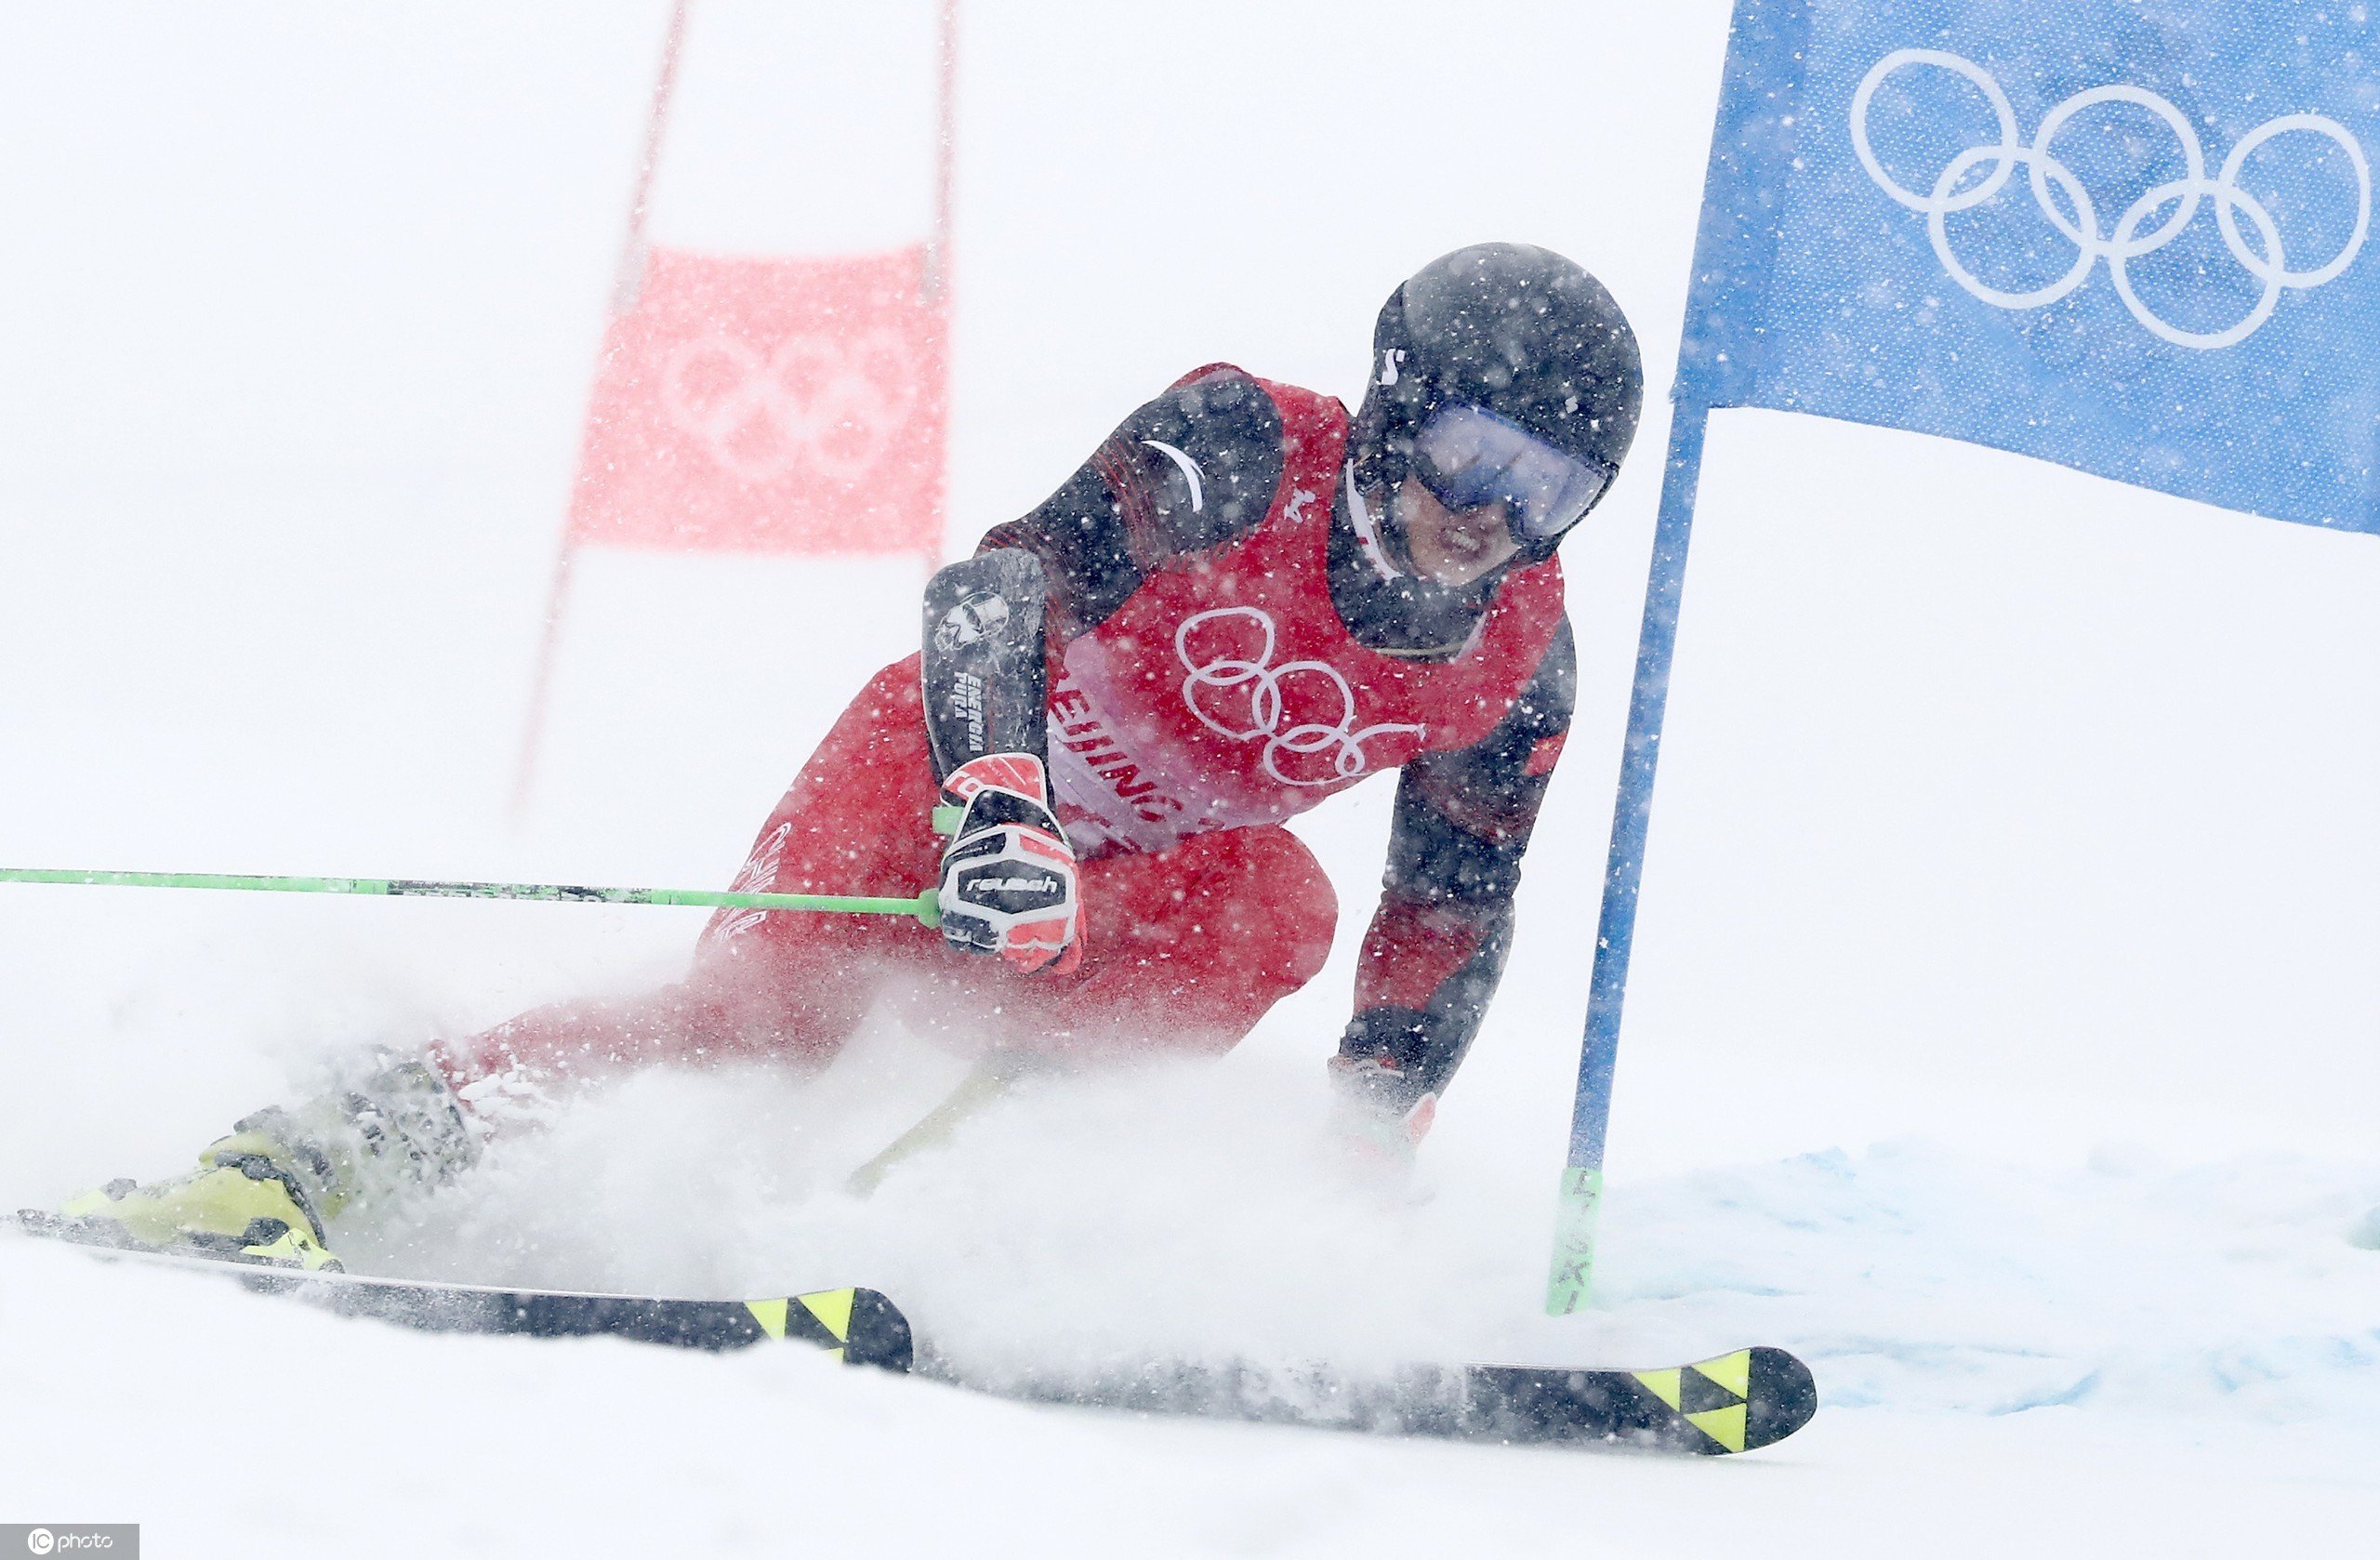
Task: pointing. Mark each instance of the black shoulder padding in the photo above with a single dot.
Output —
(987, 670)
(1184, 474)
(1218, 455)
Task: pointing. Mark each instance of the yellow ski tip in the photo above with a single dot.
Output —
(1732, 1371)
(833, 1309)
(1722, 1425)
(1663, 1384)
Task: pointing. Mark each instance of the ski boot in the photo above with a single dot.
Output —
(264, 1194)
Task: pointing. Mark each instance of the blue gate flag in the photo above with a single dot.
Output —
(2121, 235)
(2127, 236)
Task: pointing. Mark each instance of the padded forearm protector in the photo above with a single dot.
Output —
(987, 668)
(1425, 1034)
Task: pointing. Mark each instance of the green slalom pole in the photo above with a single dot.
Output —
(923, 906)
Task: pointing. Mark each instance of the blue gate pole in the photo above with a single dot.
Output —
(1582, 1195)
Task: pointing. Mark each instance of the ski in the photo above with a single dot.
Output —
(857, 1326)
(1736, 1402)
(1731, 1403)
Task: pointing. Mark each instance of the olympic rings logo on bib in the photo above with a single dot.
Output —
(1254, 695)
(2126, 242)
(834, 407)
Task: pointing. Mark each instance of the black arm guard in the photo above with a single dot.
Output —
(1423, 1046)
(987, 670)
(1463, 823)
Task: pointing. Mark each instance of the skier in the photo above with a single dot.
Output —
(1243, 603)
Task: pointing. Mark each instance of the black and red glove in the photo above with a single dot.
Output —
(1009, 878)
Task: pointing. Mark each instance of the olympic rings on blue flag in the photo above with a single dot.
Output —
(2127, 242)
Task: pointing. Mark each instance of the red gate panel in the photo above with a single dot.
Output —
(770, 405)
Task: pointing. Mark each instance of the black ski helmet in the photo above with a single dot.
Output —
(1517, 331)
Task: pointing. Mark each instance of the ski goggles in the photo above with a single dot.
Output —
(1468, 456)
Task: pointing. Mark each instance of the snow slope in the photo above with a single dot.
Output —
(2003, 1027)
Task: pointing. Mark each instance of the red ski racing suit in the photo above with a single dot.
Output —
(1216, 647)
